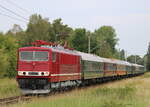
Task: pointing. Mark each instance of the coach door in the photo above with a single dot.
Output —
(105, 69)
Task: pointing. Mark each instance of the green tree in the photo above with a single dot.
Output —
(148, 58)
(37, 29)
(8, 49)
(107, 40)
(16, 28)
(93, 42)
(3, 63)
(61, 31)
(79, 40)
(122, 54)
(104, 50)
(135, 59)
(18, 33)
(11, 47)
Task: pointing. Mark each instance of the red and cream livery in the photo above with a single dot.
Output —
(45, 67)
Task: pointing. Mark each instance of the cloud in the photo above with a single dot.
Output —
(122, 19)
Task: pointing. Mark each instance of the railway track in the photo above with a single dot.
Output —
(14, 99)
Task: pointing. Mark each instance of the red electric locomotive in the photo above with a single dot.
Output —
(41, 69)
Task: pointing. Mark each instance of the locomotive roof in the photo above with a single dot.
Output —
(127, 63)
(89, 57)
(116, 61)
(66, 51)
(137, 65)
(121, 62)
(55, 49)
(33, 47)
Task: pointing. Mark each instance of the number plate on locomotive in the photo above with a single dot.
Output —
(33, 73)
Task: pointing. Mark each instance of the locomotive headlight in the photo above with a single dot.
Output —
(24, 73)
(46, 73)
(21, 73)
(42, 73)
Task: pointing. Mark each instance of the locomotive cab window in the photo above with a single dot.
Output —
(41, 56)
(33, 56)
(26, 55)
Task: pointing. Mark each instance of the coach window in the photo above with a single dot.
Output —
(53, 56)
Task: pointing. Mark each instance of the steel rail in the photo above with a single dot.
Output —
(14, 99)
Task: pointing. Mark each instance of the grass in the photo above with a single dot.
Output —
(8, 88)
(147, 75)
(133, 92)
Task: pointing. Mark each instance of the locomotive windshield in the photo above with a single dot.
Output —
(33, 55)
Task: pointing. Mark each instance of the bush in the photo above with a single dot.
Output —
(8, 49)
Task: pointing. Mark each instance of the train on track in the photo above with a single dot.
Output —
(45, 67)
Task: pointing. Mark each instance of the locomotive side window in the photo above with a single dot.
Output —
(53, 56)
(33, 55)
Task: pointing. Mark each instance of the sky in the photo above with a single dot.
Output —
(130, 18)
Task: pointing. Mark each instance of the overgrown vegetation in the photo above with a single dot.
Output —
(8, 55)
(8, 87)
(103, 41)
(133, 92)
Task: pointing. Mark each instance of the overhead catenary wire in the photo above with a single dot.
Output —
(12, 17)
(14, 13)
(16, 5)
